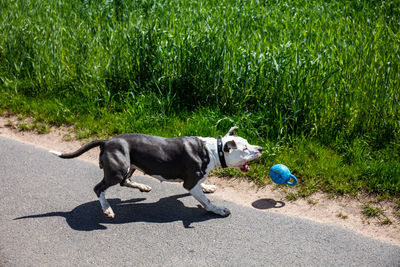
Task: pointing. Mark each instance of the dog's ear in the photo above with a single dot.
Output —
(229, 146)
(232, 131)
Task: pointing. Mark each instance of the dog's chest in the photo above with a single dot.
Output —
(162, 179)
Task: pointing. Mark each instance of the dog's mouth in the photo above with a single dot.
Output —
(244, 168)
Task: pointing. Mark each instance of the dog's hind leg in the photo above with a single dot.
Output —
(114, 159)
(99, 189)
(208, 188)
(141, 187)
(128, 183)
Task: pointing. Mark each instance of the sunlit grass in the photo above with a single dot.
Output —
(315, 82)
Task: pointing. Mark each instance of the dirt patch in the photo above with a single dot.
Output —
(320, 207)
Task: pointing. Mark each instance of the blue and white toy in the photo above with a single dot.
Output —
(280, 174)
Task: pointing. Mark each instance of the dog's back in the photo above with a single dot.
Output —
(170, 158)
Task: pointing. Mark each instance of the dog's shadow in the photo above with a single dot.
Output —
(88, 216)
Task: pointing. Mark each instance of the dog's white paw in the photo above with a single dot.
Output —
(109, 213)
(208, 188)
(141, 187)
(220, 211)
(144, 188)
(225, 212)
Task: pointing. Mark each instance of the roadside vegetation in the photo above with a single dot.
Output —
(316, 83)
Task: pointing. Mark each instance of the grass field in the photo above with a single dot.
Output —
(314, 82)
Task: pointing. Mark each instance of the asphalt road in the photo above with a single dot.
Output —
(50, 216)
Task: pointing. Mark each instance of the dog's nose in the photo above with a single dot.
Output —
(260, 149)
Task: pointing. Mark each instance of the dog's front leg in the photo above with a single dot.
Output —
(198, 194)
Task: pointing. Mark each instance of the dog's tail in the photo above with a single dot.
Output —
(80, 151)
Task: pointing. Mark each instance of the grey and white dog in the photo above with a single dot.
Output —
(183, 159)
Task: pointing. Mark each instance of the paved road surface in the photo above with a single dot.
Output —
(51, 217)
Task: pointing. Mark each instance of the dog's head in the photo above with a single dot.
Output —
(238, 152)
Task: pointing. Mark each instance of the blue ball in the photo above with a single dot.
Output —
(280, 174)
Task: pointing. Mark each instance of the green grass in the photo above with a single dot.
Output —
(371, 211)
(38, 127)
(316, 83)
(292, 196)
(374, 212)
(386, 221)
(397, 208)
(312, 201)
(341, 215)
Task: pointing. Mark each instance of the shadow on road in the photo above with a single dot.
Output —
(267, 203)
(88, 216)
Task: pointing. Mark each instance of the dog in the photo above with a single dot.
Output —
(186, 159)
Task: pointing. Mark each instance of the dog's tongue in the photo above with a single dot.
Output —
(245, 168)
